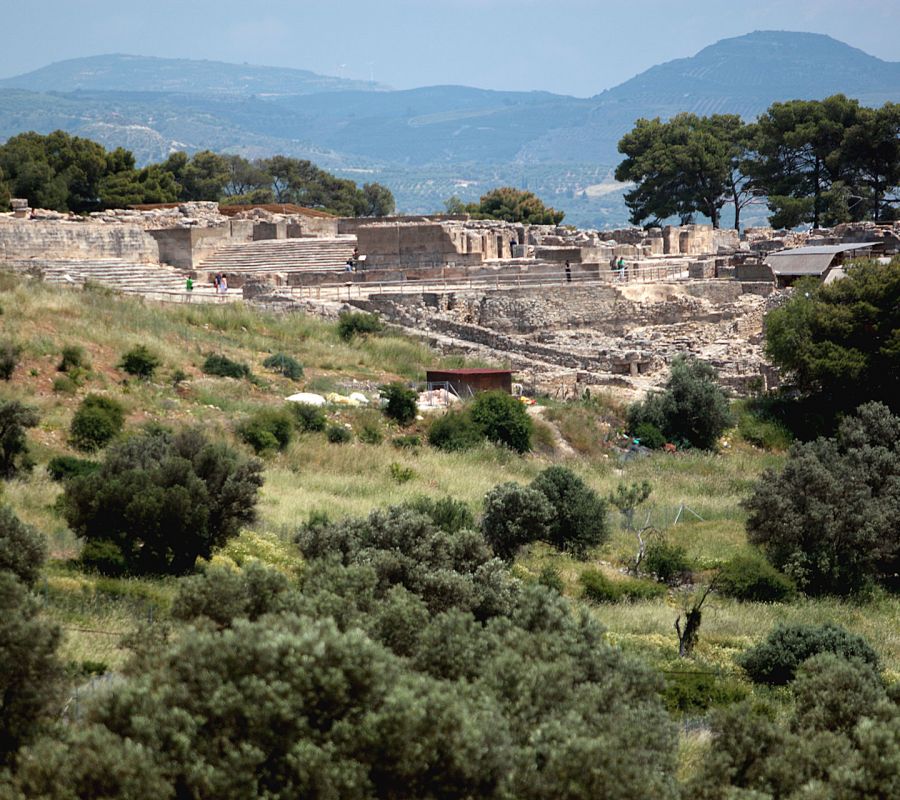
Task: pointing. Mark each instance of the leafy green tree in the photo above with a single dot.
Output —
(140, 362)
(871, 150)
(502, 419)
(828, 519)
(203, 176)
(22, 549)
(797, 159)
(15, 418)
(691, 409)
(841, 341)
(399, 402)
(160, 501)
(514, 516)
(685, 166)
(379, 201)
(515, 205)
(579, 519)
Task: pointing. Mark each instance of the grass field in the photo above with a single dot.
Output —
(351, 479)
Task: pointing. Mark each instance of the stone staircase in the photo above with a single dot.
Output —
(125, 276)
(273, 256)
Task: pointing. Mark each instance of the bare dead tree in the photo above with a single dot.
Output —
(643, 535)
(687, 636)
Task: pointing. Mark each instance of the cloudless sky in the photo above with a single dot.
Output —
(567, 46)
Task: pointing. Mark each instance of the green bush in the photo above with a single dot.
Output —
(140, 362)
(399, 403)
(357, 323)
(64, 384)
(285, 365)
(692, 409)
(97, 421)
(72, 358)
(454, 431)
(267, 429)
(22, 549)
(597, 588)
(694, 693)
(338, 434)
(309, 417)
(15, 418)
(667, 562)
(370, 433)
(223, 367)
(160, 501)
(513, 516)
(550, 577)
(401, 473)
(579, 514)
(447, 513)
(762, 432)
(63, 468)
(502, 419)
(775, 661)
(10, 353)
(650, 436)
(750, 577)
(407, 441)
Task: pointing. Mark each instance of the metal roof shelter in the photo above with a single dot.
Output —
(467, 382)
(800, 262)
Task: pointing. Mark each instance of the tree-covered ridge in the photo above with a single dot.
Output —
(819, 162)
(70, 173)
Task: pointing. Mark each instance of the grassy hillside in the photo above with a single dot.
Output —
(313, 475)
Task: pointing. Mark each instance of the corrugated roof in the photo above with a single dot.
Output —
(810, 260)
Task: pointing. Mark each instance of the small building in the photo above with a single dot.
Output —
(468, 382)
(825, 262)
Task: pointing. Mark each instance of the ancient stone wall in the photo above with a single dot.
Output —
(25, 239)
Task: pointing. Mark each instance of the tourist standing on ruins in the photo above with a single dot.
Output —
(568, 272)
(223, 285)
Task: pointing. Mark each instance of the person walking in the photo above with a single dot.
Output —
(568, 272)
(189, 287)
(223, 285)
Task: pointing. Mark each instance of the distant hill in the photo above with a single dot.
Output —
(126, 73)
(429, 143)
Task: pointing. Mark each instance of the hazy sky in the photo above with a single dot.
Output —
(568, 46)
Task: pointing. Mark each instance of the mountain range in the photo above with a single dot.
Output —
(429, 143)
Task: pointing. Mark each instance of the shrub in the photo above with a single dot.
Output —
(178, 376)
(267, 429)
(750, 577)
(502, 419)
(407, 441)
(73, 357)
(400, 403)
(62, 468)
(775, 660)
(666, 561)
(650, 436)
(447, 513)
(15, 418)
(159, 501)
(97, 421)
(140, 362)
(285, 365)
(308, 417)
(454, 431)
(696, 692)
(401, 473)
(513, 516)
(223, 367)
(598, 588)
(338, 434)
(579, 513)
(370, 433)
(357, 323)
(549, 576)
(762, 432)
(691, 410)
(828, 519)
(65, 384)
(22, 549)
(10, 353)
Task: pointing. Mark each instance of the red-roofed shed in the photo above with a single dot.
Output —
(466, 382)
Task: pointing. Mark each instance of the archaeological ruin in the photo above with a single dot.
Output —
(567, 309)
